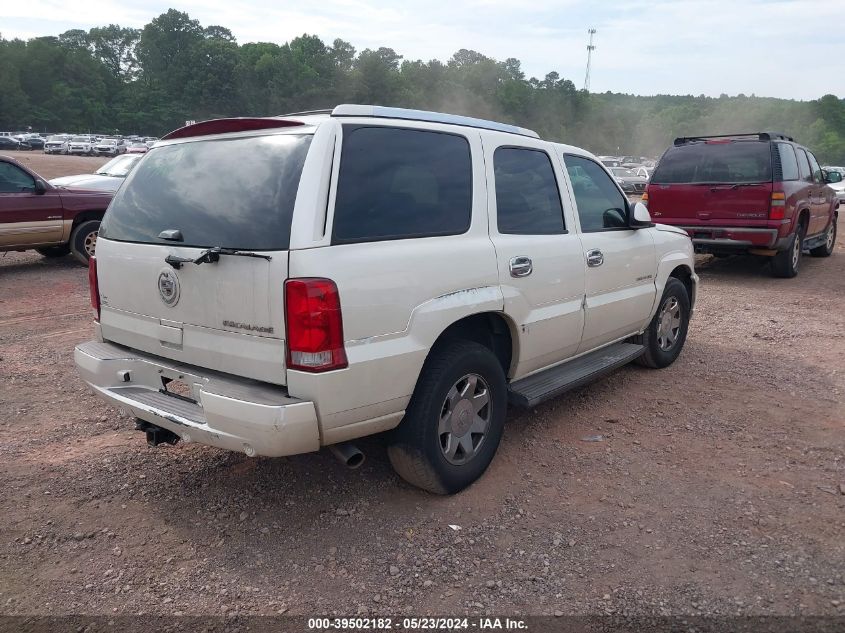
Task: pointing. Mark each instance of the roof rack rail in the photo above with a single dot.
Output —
(305, 112)
(424, 115)
(761, 136)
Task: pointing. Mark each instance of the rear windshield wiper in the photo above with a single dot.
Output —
(211, 255)
(737, 185)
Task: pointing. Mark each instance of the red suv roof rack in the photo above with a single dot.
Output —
(760, 136)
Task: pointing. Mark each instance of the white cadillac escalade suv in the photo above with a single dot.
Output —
(275, 285)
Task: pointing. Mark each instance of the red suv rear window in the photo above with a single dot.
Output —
(715, 163)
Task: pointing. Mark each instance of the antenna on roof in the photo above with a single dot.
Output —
(590, 49)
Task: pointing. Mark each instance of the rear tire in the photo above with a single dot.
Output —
(83, 240)
(54, 251)
(826, 249)
(786, 263)
(665, 336)
(454, 422)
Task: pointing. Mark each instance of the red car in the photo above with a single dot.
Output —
(137, 148)
(758, 193)
(52, 220)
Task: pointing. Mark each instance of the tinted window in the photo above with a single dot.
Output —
(235, 193)
(396, 183)
(600, 203)
(731, 162)
(804, 165)
(14, 180)
(788, 162)
(527, 197)
(814, 167)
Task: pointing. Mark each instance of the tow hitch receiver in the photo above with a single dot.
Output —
(155, 434)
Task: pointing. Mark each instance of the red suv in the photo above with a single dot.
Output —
(54, 221)
(759, 193)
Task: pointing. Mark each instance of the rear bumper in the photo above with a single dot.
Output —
(234, 414)
(726, 238)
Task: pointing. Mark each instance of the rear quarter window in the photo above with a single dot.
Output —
(398, 183)
(788, 162)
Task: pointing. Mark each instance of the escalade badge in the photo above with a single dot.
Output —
(168, 287)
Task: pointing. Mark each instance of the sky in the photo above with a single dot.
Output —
(790, 49)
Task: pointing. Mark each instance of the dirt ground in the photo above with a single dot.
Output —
(717, 486)
(55, 165)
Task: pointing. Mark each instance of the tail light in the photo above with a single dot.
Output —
(314, 325)
(93, 287)
(645, 198)
(777, 209)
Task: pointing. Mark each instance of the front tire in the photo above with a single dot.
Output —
(786, 263)
(665, 336)
(83, 240)
(826, 249)
(454, 422)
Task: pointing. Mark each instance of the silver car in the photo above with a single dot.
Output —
(107, 178)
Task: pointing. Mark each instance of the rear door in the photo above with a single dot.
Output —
(27, 218)
(539, 255)
(821, 198)
(235, 192)
(621, 261)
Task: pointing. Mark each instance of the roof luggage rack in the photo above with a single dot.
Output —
(305, 113)
(424, 115)
(760, 136)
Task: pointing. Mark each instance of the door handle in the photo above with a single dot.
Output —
(521, 266)
(595, 258)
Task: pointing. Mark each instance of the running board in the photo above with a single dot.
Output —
(534, 389)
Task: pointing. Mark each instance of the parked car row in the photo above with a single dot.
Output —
(24, 144)
(79, 144)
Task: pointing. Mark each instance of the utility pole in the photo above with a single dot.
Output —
(590, 49)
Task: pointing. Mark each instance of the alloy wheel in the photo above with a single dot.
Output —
(668, 323)
(90, 243)
(464, 419)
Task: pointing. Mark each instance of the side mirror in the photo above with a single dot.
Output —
(40, 187)
(641, 215)
(831, 176)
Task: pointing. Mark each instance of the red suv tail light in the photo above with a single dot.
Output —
(777, 208)
(93, 287)
(314, 325)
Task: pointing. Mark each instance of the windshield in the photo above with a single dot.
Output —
(234, 193)
(119, 166)
(108, 141)
(714, 163)
(55, 139)
(79, 139)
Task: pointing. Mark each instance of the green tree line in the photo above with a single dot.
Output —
(149, 81)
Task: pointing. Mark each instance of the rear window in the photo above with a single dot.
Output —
(397, 183)
(710, 163)
(234, 193)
